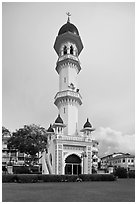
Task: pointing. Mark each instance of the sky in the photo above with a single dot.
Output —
(107, 78)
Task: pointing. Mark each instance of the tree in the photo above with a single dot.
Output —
(5, 131)
(31, 140)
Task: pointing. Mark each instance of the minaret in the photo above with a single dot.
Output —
(68, 46)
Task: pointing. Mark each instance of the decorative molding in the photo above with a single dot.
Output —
(89, 148)
(56, 161)
(72, 147)
(89, 162)
(59, 161)
(65, 153)
(59, 146)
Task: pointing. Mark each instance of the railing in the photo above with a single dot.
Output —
(67, 93)
(68, 56)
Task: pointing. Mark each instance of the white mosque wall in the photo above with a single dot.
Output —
(67, 76)
(69, 114)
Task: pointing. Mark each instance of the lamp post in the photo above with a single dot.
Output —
(83, 155)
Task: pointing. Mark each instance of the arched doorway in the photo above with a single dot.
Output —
(73, 165)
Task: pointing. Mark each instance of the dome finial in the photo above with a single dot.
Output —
(68, 14)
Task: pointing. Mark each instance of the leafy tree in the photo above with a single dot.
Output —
(31, 140)
(5, 131)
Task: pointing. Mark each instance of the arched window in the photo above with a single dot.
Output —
(65, 50)
(73, 159)
(71, 50)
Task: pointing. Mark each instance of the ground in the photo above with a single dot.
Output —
(122, 190)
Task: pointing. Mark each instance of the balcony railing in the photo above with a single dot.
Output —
(68, 56)
(68, 93)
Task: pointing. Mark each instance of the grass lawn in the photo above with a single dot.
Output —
(122, 190)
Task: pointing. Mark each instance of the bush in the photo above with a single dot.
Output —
(34, 169)
(33, 178)
(9, 178)
(97, 177)
(57, 178)
(27, 178)
(131, 174)
(120, 172)
(21, 170)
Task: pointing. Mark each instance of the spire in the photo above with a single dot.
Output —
(68, 14)
(50, 129)
(59, 119)
(87, 124)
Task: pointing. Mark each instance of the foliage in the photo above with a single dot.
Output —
(31, 140)
(30, 178)
(5, 131)
(131, 174)
(9, 178)
(120, 172)
(25, 169)
(97, 177)
(58, 178)
(21, 170)
(4, 168)
(93, 170)
(27, 178)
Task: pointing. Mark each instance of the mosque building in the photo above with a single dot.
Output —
(69, 151)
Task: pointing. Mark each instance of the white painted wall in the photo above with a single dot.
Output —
(70, 117)
(67, 75)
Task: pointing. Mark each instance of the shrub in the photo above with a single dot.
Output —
(48, 178)
(97, 177)
(121, 172)
(32, 178)
(34, 169)
(21, 170)
(27, 178)
(131, 174)
(70, 178)
(57, 178)
(9, 178)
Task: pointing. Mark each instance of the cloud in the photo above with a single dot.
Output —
(111, 141)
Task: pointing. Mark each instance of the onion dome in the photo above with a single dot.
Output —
(68, 32)
(87, 124)
(59, 119)
(68, 27)
(50, 129)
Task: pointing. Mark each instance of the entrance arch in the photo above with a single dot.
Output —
(73, 165)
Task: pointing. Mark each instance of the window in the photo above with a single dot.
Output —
(128, 160)
(64, 79)
(123, 160)
(71, 50)
(21, 158)
(132, 160)
(13, 154)
(65, 50)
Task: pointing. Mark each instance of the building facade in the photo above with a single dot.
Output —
(69, 151)
(118, 160)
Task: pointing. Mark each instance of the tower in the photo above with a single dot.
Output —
(68, 151)
(68, 46)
